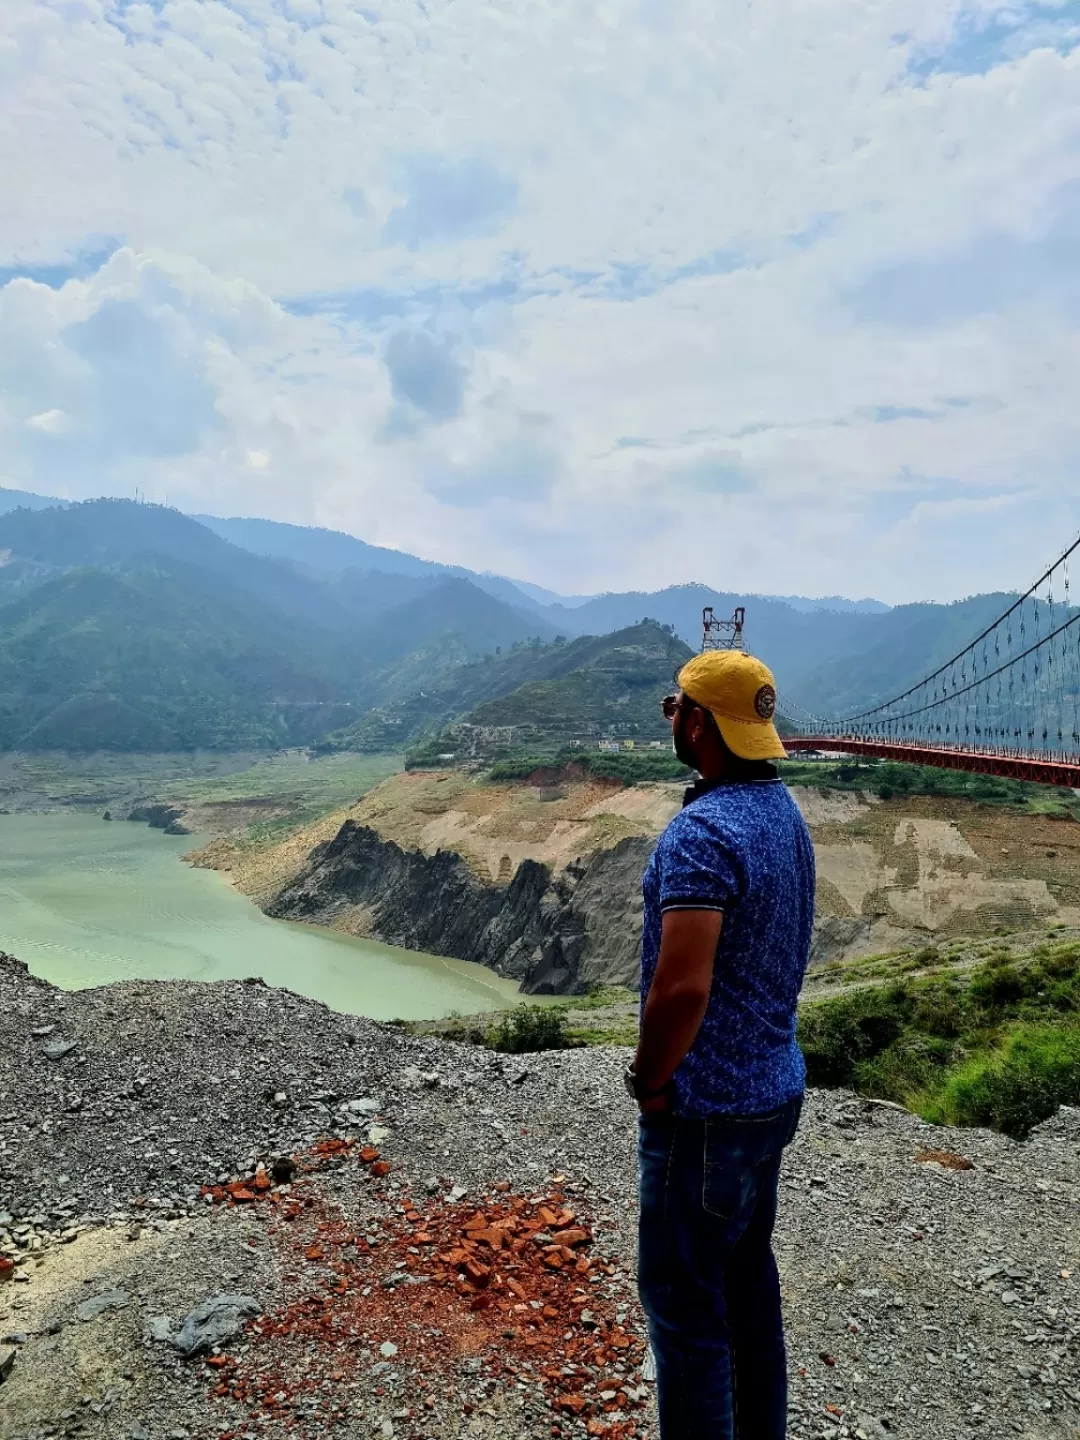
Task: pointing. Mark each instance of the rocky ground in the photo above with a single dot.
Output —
(427, 1240)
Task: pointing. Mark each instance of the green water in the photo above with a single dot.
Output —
(84, 902)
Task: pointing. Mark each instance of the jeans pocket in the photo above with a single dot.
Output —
(728, 1180)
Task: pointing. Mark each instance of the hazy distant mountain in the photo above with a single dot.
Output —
(791, 641)
(455, 610)
(835, 603)
(133, 626)
(182, 597)
(159, 658)
(111, 533)
(334, 551)
(22, 499)
(894, 650)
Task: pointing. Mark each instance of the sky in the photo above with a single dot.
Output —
(781, 296)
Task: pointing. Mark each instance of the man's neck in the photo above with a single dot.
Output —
(743, 772)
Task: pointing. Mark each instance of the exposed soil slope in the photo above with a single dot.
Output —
(542, 883)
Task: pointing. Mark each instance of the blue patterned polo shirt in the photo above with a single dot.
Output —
(742, 848)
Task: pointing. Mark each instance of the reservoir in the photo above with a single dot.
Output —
(84, 902)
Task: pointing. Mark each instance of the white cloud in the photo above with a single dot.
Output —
(785, 298)
(49, 422)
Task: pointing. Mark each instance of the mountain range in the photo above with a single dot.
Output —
(133, 626)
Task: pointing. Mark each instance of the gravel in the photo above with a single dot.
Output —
(926, 1297)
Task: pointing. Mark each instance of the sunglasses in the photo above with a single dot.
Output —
(669, 704)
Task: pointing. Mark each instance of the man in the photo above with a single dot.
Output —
(718, 1075)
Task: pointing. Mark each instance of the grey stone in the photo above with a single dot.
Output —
(57, 1049)
(363, 1107)
(160, 1328)
(7, 1360)
(99, 1304)
(215, 1321)
(138, 1431)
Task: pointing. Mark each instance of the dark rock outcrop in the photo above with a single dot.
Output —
(160, 817)
(553, 933)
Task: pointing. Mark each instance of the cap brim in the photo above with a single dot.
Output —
(751, 740)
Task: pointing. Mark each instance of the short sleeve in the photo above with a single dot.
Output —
(697, 867)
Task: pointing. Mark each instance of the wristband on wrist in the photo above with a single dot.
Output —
(634, 1086)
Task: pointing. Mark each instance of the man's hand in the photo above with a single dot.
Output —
(677, 998)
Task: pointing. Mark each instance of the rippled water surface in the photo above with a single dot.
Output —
(84, 901)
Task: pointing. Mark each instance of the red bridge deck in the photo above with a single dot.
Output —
(1014, 765)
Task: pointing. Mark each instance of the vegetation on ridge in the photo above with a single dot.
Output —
(997, 1046)
(891, 780)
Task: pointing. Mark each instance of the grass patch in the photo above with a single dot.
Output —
(626, 767)
(1034, 1071)
(622, 1030)
(890, 780)
(999, 1046)
(315, 784)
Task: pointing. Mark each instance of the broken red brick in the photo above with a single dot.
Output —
(578, 1236)
(574, 1404)
(484, 1274)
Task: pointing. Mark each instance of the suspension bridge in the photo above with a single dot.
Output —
(1007, 704)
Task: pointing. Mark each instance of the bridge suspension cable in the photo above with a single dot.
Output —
(1008, 702)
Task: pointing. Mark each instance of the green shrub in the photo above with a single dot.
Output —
(938, 1012)
(1037, 1069)
(530, 1028)
(1000, 985)
(997, 1046)
(837, 1035)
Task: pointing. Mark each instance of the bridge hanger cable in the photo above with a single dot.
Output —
(960, 656)
(958, 694)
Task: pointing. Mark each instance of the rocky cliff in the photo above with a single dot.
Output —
(542, 884)
(556, 932)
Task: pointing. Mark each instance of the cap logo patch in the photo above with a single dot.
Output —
(765, 702)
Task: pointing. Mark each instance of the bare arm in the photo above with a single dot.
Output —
(678, 996)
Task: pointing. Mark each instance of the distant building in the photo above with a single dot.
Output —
(609, 745)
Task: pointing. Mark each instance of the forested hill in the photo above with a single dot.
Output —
(578, 690)
(133, 626)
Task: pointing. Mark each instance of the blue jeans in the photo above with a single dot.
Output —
(706, 1272)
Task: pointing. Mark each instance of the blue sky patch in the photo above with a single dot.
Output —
(85, 262)
(995, 272)
(448, 200)
(979, 42)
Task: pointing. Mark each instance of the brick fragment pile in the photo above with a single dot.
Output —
(513, 1284)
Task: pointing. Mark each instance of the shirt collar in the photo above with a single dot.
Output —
(755, 771)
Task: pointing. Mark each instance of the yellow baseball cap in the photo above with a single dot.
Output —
(740, 693)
